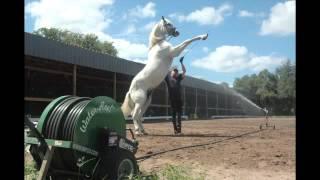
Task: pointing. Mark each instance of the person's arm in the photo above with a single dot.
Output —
(167, 78)
(183, 68)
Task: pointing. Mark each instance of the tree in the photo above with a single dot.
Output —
(286, 86)
(224, 84)
(286, 75)
(88, 41)
(247, 86)
(72, 38)
(266, 87)
(275, 91)
(51, 33)
(108, 48)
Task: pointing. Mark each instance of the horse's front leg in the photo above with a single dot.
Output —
(176, 51)
(138, 127)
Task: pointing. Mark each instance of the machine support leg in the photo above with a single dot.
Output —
(46, 163)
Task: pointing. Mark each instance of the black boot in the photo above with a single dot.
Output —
(179, 121)
(176, 130)
(174, 121)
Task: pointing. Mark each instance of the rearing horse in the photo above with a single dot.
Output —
(160, 57)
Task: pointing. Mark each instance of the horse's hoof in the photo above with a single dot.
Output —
(138, 133)
(204, 37)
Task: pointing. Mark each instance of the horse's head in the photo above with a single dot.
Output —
(161, 30)
(168, 27)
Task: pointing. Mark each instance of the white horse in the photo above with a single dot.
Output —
(160, 57)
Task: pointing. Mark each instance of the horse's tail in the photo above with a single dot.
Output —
(127, 105)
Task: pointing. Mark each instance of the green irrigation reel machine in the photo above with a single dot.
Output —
(82, 138)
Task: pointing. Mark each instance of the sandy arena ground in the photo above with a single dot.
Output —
(264, 155)
(269, 154)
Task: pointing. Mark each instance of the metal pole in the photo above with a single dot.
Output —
(184, 100)
(74, 79)
(46, 163)
(226, 104)
(217, 105)
(195, 111)
(207, 104)
(115, 86)
(167, 102)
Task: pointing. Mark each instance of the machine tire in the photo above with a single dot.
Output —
(116, 163)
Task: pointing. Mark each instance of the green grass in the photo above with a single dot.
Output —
(179, 173)
(171, 172)
(168, 173)
(146, 177)
(30, 172)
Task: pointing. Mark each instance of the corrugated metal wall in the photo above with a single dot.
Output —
(204, 98)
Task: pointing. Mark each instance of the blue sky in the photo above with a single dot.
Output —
(244, 36)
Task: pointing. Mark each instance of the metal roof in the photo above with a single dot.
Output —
(38, 46)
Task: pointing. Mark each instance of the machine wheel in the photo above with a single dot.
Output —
(57, 178)
(118, 165)
(35, 155)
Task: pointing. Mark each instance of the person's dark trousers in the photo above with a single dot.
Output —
(176, 110)
(179, 112)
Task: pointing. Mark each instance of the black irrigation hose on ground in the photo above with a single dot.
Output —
(142, 158)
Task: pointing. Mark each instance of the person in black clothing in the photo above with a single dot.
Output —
(173, 81)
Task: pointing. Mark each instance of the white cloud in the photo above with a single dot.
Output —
(236, 58)
(130, 29)
(260, 63)
(216, 82)
(138, 60)
(129, 50)
(149, 26)
(261, 14)
(248, 14)
(143, 12)
(245, 13)
(230, 84)
(205, 49)
(84, 16)
(206, 16)
(133, 30)
(177, 16)
(198, 77)
(281, 20)
(75, 15)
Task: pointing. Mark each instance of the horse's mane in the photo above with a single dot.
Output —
(153, 37)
